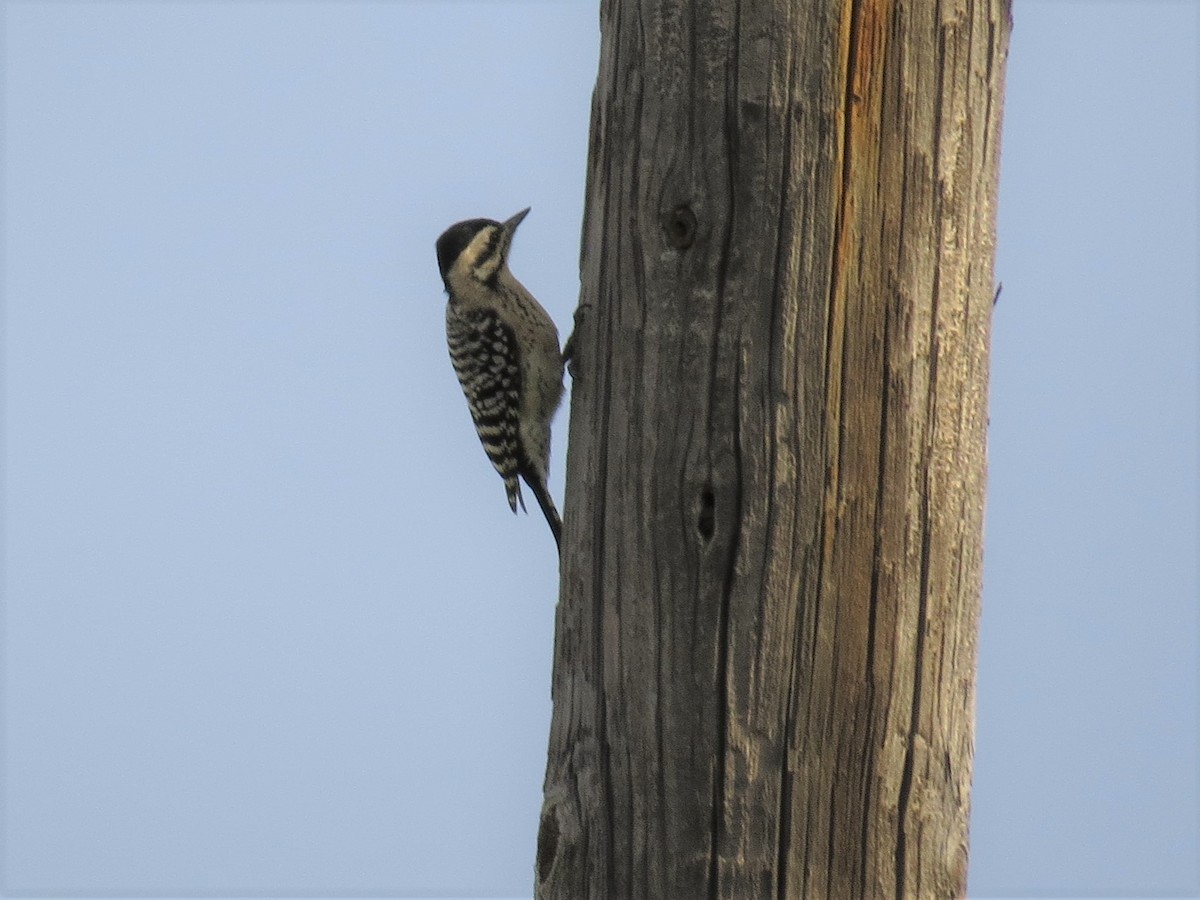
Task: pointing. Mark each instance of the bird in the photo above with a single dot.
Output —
(505, 351)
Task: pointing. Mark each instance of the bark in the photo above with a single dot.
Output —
(764, 667)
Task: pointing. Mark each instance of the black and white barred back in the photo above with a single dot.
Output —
(483, 351)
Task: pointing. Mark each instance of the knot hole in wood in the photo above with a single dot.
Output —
(679, 226)
(706, 522)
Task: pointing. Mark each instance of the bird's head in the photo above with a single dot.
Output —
(477, 248)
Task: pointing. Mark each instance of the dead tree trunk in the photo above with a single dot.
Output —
(764, 665)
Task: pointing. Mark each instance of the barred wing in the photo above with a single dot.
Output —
(483, 350)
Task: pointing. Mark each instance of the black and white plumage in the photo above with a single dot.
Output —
(505, 351)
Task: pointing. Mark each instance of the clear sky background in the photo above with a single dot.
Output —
(268, 624)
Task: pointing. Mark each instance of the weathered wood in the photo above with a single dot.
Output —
(764, 665)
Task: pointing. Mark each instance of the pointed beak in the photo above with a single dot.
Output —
(511, 225)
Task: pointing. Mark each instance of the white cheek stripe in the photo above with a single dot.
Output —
(478, 250)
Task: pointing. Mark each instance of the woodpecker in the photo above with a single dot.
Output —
(505, 351)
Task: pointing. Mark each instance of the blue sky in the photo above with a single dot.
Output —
(268, 623)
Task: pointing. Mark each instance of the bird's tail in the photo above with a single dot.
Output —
(538, 485)
(512, 487)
